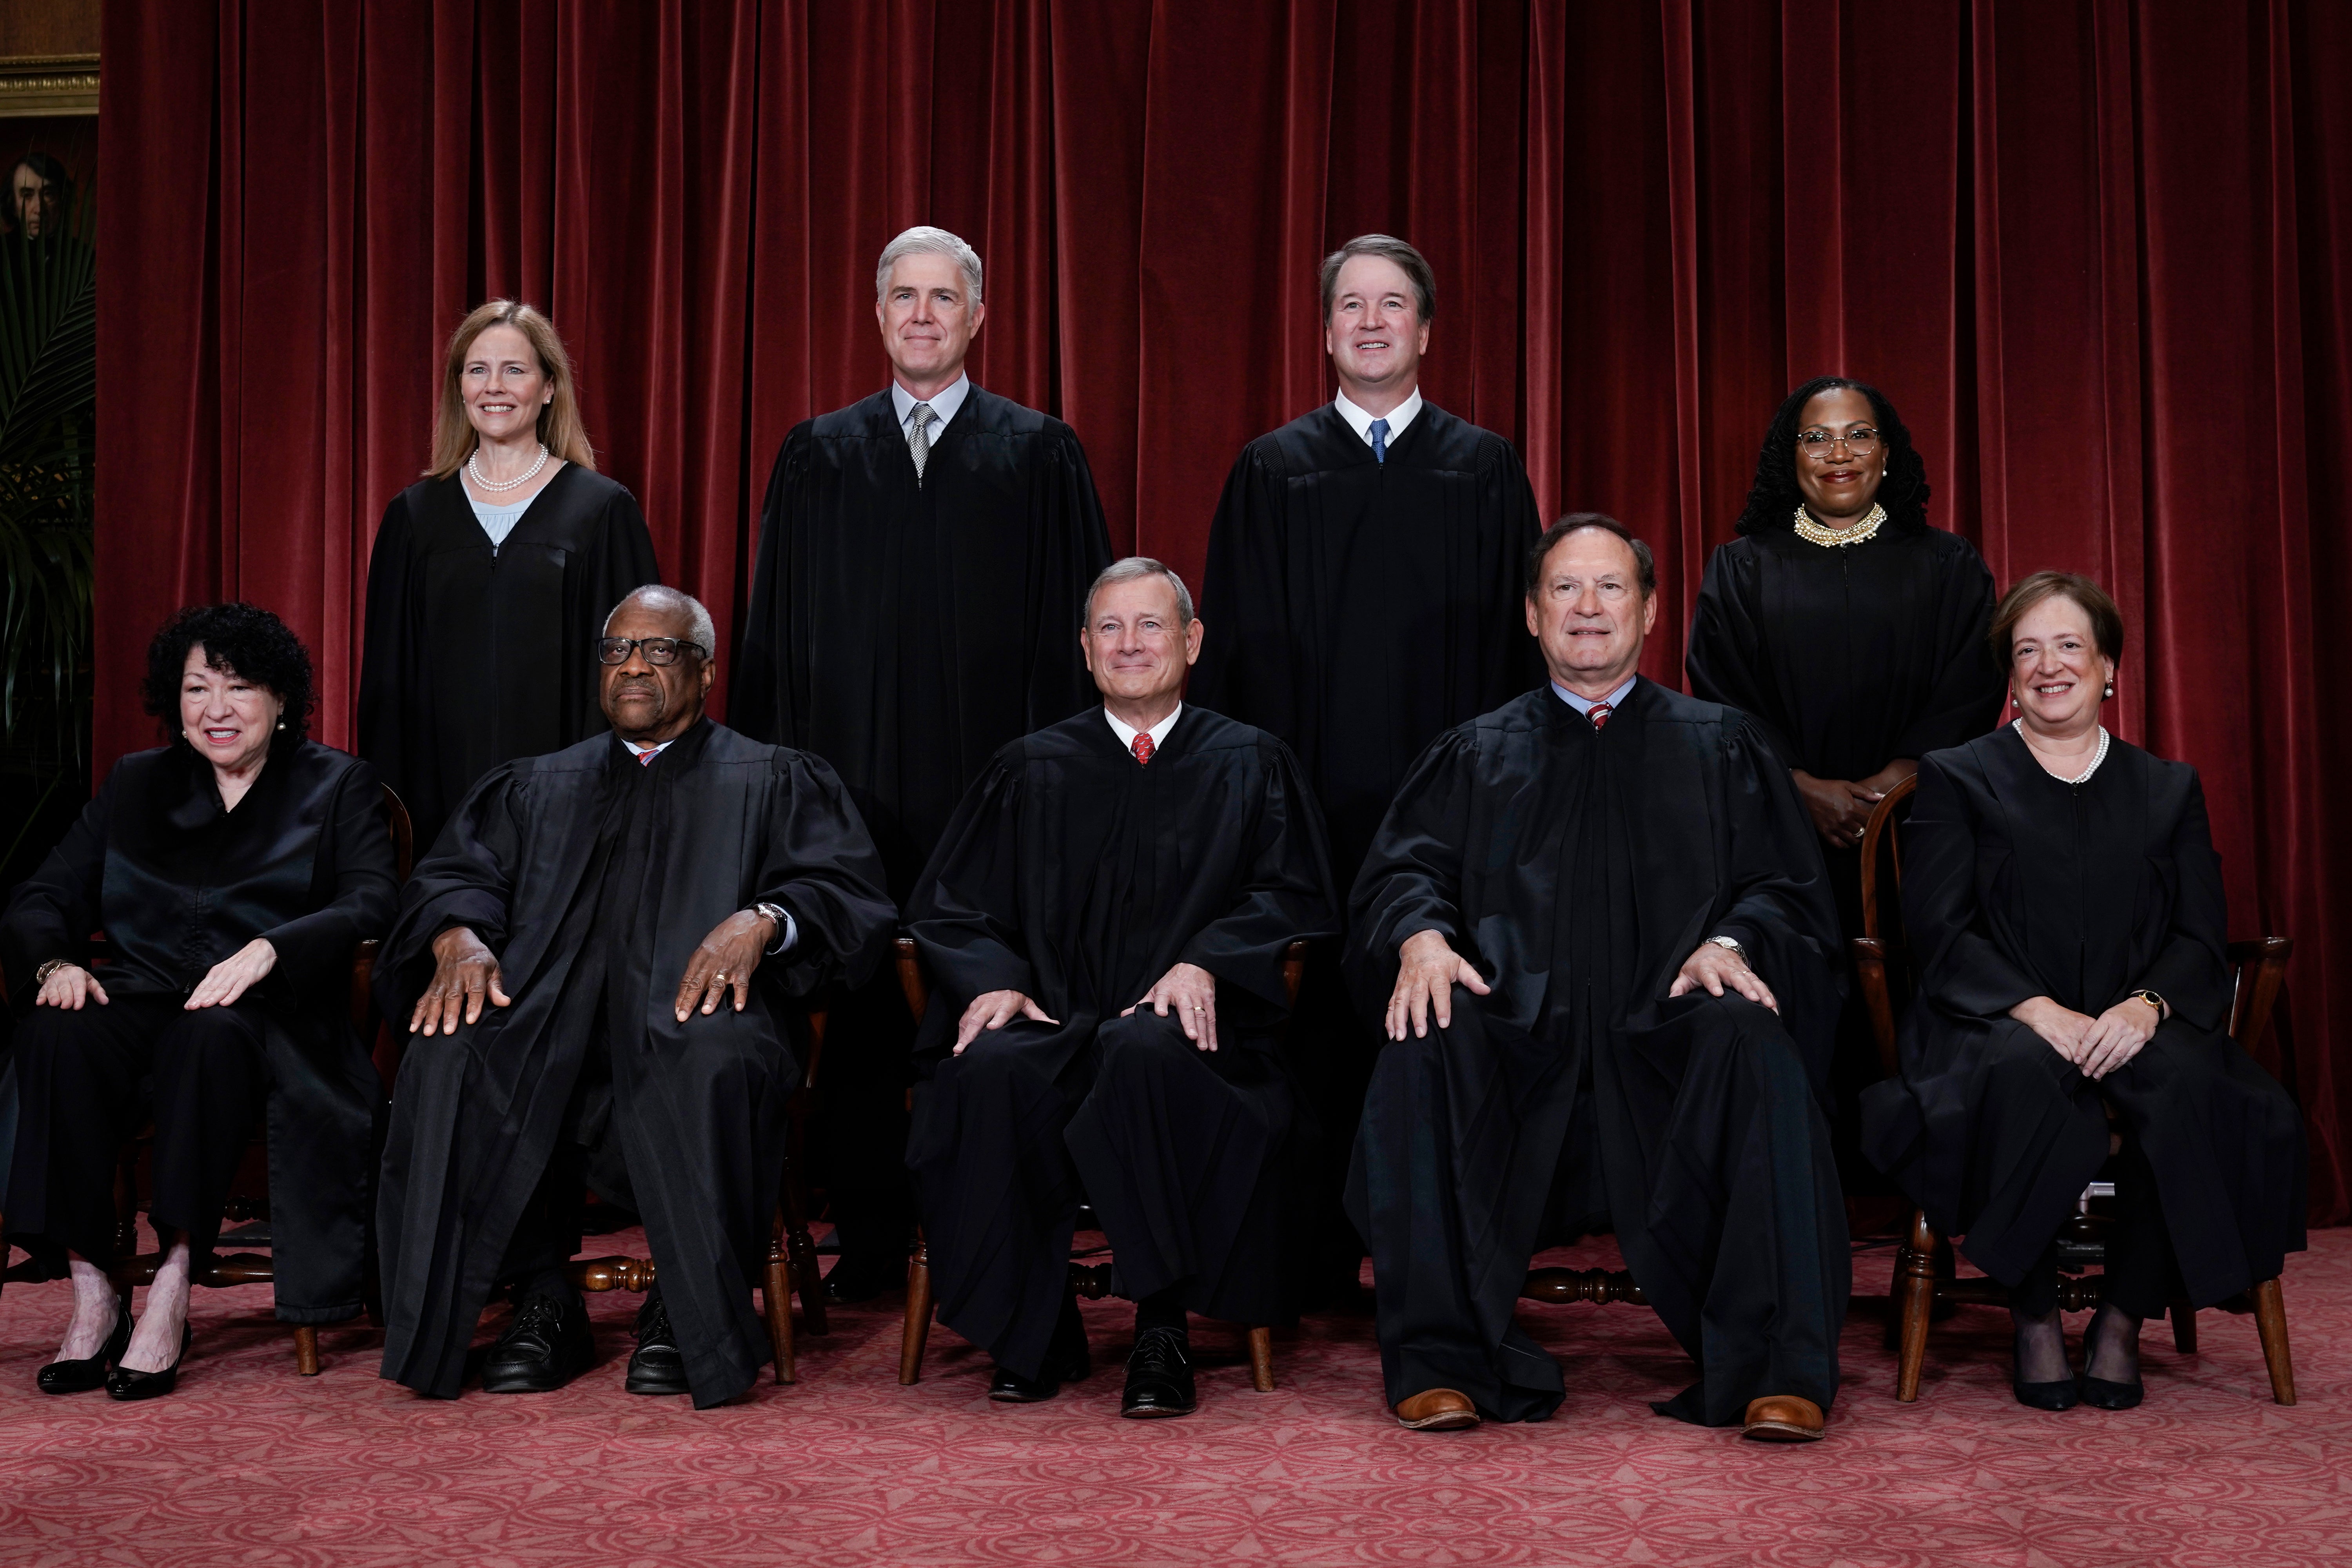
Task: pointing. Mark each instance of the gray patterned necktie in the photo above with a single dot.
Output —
(919, 440)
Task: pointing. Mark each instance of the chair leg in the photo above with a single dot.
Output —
(807, 1277)
(306, 1350)
(918, 1314)
(1261, 1347)
(1915, 1299)
(2270, 1321)
(776, 1296)
(2184, 1328)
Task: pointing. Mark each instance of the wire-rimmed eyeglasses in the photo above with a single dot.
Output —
(657, 650)
(1817, 442)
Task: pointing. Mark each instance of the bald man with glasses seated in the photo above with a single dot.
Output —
(597, 963)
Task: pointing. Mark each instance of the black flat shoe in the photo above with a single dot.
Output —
(546, 1346)
(128, 1382)
(1160, 1375)
(2061, 1395)
(2100, 1394)
(89, 1371)
(657, 1367)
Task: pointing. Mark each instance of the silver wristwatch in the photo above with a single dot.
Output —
(778, 915)
(41, 975)
(1729, 946)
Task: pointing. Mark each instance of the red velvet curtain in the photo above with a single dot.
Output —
(2097, 251)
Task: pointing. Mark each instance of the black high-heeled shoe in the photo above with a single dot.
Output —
(130, 1383)
(2104, 1394)
(89, 1371)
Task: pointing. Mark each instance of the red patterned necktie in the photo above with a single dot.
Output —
(646, 759)
(1143, 747)
(1599, 714)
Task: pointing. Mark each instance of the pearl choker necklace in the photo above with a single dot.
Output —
(474, 468)
(1813, 533)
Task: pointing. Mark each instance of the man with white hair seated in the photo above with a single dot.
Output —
(596, 962)
(923, 554)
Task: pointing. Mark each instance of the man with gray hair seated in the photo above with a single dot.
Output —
(597, 963)
(1106, 922)
(922, 554)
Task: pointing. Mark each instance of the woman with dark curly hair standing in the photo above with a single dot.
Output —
(233, 870)
(1851, 631)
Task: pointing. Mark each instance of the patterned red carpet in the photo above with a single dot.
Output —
(248, 1464)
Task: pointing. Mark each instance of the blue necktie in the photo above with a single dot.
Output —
(1379, 440)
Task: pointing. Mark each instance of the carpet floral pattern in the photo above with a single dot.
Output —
(248, 1464)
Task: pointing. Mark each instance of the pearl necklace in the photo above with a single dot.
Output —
(2082, 778)
(474, 468)
(1813, 533)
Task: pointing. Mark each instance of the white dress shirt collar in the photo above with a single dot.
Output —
(1362, 423)
(1127, 732)
(944, 406)
(1585, 705)
(639, 752)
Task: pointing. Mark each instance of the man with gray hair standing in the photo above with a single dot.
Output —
(1364, 575)
(922, 555)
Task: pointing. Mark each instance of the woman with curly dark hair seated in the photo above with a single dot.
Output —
(232, 870)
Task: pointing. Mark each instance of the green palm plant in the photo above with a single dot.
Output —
(49, 395)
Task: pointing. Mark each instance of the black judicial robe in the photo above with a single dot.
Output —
(1849, 657)
(178, 885)
(1577, 869)
(477, 655)
(698, 1105)
(2016, 885)
(1078, 877)
(1356, 608)
(904, 630)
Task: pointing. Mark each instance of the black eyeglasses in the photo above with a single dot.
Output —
(1817, 442)
(658, 650)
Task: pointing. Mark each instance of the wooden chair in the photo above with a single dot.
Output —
(1091, 1281)
(222, 1270)
(1925, 1273)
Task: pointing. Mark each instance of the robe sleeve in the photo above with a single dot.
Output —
(1070, 546)
(314, 950)
(821, 864)
(1411, 878)
(53, 911)
(1249, 671)
(2191, 971)
(1961, 969)
(1727, 651)
(759, 698)
(1780, 906)
(387, 667)
(965, 915)
(466, 879)
(1967, 695)
(1286, 895)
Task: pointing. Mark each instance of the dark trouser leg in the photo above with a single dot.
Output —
(862, 1131)
(1448, 1185)
(547, 1235)
(1176, 1147)
(77, 1073)
(210, 1077)
(999, 1191)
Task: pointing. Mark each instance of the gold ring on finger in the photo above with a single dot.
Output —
(720, 977)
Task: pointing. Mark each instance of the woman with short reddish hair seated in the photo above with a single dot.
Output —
(2063, 907)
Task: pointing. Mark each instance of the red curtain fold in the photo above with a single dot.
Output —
(2096, 250)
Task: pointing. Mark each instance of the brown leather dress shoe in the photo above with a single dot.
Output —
(1783, 1418)
(1440, 1410)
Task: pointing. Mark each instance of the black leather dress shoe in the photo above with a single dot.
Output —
(1160, 1375)
(546, 1346)
(128, 1382)
(82, 1375)
(858, 1279)
(657, 1367)
(1066, 1362)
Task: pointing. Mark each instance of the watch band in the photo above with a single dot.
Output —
(1731, 946)
(41, 975)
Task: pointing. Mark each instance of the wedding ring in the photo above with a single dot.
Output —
(720, 977)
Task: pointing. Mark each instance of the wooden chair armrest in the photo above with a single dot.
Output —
(910, 978)
(364, 983)
(2261, 966)
(1294, 968)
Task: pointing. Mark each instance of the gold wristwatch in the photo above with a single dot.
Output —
(2153, 1000)
(41, 975)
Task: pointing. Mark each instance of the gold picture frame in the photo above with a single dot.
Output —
(47, 84)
